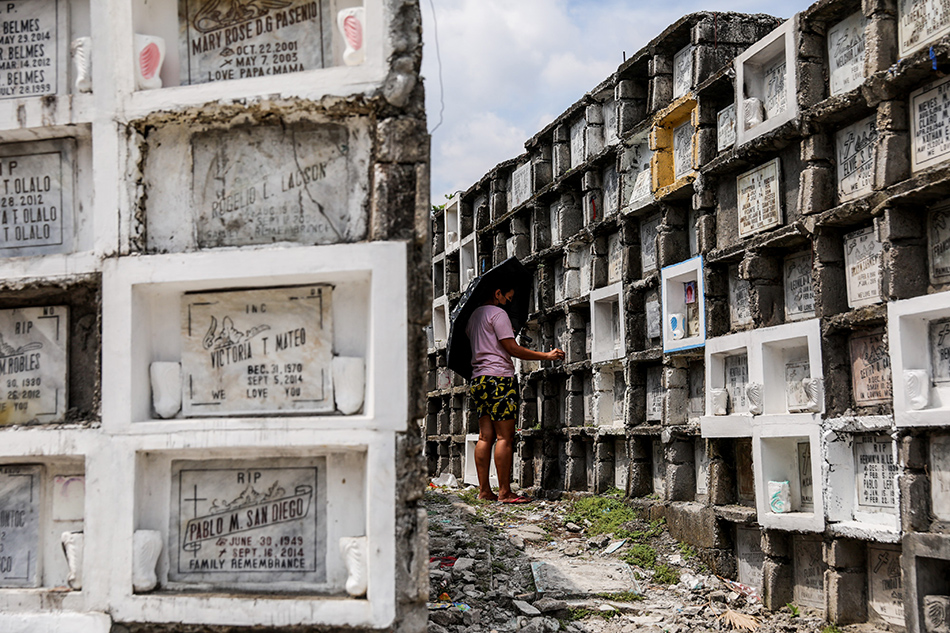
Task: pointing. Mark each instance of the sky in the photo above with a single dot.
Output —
(510, 67)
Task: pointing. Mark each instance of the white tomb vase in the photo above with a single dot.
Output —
(753, 392)
(936, 614)
(720, 401)
(350, 22)
(81, 49)
(149, 56)
(780, 497)
(72, 548)
(815, 392)
(166, 388)
(917, 388)
(353, 549)
(146, 547)
(677, 325)
(753, 113)
(349, 383)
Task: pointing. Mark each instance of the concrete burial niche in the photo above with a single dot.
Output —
(929, 120)
(789, 456)
(846, 54)
(740, 311)
(684, 305)
(682, 71)
(639, 178)
(809, 570)
(673, 142)
(861, 485)
(856, 158)
(440, 322)
(919, 25)
(608, 323)
(749, 556)
(759, 198)
(727, 376)
(49, 26)
(925, 561)
(452, 226)
(766, 82)
(938, 244)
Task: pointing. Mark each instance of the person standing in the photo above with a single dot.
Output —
(494, 392)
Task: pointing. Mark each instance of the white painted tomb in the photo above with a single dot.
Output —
(608, 323)
(929, 123)
(855, 154)
(767, 72)
(846, 53)
(791, 455)
(759, 195)
(862, 255)
(683, 299)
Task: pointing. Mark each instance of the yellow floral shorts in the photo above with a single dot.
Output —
(496, 397)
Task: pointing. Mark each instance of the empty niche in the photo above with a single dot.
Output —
(452, 226)
(788, 476)
(745, 473)
(467, 262)
(788, 378)
(440, 323)
(607, 320)
(438, 278)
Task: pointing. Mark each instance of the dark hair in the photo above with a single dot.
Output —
(505, 285)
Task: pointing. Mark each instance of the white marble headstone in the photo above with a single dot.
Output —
(726, 127)
(736, 368)
(258, 351)
(648, 230)
(701, 460)
(750, 557)
(930, 124)
(862, 254)
(257, 39)
(654, 317)
(807, 488)
(611, 182)
(313, 191)
(35, 40)
(919, 23)
(775, 80)
(760, 205)
(654, 393)
(875, 471)
(682, 72)
(938, 243)
(659, 469)
(248, 522)
(809, 587)
(799, 288)
(20, 506)
(683, 149)
(615, 252)
(520, 184)
(855, 149)
(940, 476)
(870, 369)
(578, 142)
(740, 310)
(846, 53)
(796, 399)
(33, 364)
(885, 583)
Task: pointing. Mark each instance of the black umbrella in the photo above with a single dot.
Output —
(511, 271)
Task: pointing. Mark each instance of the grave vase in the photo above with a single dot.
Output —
(353, 549)
(146, 547)
(937, 614)
(72, 549)
(81, 49)
(720, 402)
(917, 388)
(149, 56)
(166, 388)
(780, 497)
(350, 22)
(349, 381)
(754, 394)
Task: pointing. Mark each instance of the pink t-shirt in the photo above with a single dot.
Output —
(487, 326)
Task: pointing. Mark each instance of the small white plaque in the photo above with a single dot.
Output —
(578, 146)
(870, 369)
(805, 478)
(258, 351)
(659, 469)
(740, 310)
(862, 254)
(885, 583)
(930, 124)
(648, 230)
(875, 471)
(736, 368)
(846, 53)
(920, 22)
(726, 128)
(775, 79)
(35, 41)
(654, 393)
(796, 399)
(759, 195)
(33, 364)
(854, 146)
(750, 556)
(682, 72)
(799, 289)
(938, 242)
(940, 350)
(809, 588)
(520, 185)
(611, 181)
(683, 149)
(653, 318)
(702, 468)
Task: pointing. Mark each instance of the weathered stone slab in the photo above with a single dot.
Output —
(745, 475)
(33, 364)
(737, 376)
(760, 205)
(556, 576)
(854, 145)
(938, 242)
(683, 149)
(775, 79)
(697, 390)
(740, 310)
(750, 556)
(799, 288)
(555, 225)
(809, 572)
(796, 399)
(862, 254)
(648, 229)
(940, 476)
(520, 184)
(611, 180)
(36, 198)
(312, 192)
(248, 521)
(682, 72)
(252, 39)
(578, 142)
(930, 124)
(701, 462)
(875, 471)
(258, 351)
(870, 369)
(614, 258)
(20, 498)
(659, 469)
(920, 22)
(804, 477)
(846, 53)
(885, 583)
(654, 317)
(726, 128)
(654, 393)
(35, 39)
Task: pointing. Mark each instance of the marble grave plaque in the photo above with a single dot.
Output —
(749, 556)
(654, 393)
(726, 128)
(799, 289)
(33, 364)
(35, 46)
(313, 192)
(69, 497)
(885, 583)
(875, 472)
(554, 223)
(740, 310)
(578, 134)
(938, 243)
(683, 149)
(870, 369)
(862, 254)
(648, 231)
(795, 397)
(520, 185)
(248, 521)
(258, 351)
(760, 205)
(639, 177)
(940, 476)
(701, 461)
(615, 252)
(939, 333)
(611, 128)
(654, 318)
(251, 39)
(745, 474)
(920, 22)
(805, 481)
(775, 80)
(930, 124)
(682, 72)
(809, 588)
(854, 146)
(20, 525)
(611, 181)
(697, 389)
(736, 368)
(36, 198)
(659, 469)
(846, 53)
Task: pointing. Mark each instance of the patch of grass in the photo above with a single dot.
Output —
(433, 497)
(626, 596)
(666, 575)
(580, 614)
(655, 529)
(687, 551)
(470, 497)
(832, 628)
(640, 555)
(499, 567)
(613, 492)
(605, 514)
(793, 609)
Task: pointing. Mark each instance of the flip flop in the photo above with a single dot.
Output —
(516, 500)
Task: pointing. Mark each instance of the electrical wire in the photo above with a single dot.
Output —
(438, 58)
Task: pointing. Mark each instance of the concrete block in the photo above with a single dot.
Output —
(847, 596)
(675, 377)
(680, 482)
(696, 524)
(574, 405)
(575, 476)
(562, 158)
(660, 65)
(594, 114)
(777, 585)
(661, 91)
(776, 544)
(892, 162)
(845, 554)
(915, 502)
(680, 451)
(402, 140)
(880, 50)
(575, 383)
(878, 7)
(816, 190)
(913, 452)
(641, 479)
(811, 46)
(892, 116)
(629, 114)
(900, 223)
(904, 271)
(722, 483)
(590, 181)
(819, 146)
(675, 407)
(759, 267)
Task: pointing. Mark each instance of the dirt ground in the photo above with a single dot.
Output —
(601, 569)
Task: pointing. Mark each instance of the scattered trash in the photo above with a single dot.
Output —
(743, 590)
(613, 547)
(691, 582)
(740, 620)
(445, 562)
(447, 480)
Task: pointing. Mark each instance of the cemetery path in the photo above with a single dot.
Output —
(587, 565)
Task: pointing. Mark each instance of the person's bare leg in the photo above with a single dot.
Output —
(486, 437)
(504, 456)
